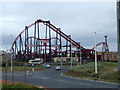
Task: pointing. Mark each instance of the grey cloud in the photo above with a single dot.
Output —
(80, 20)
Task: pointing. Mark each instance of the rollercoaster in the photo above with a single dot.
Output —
(43, 39)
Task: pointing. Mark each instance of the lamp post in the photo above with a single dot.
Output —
(60, 46)
(80, 52)
(11, 55)
(95, 55)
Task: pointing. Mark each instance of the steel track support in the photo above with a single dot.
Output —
(70, 46)
(34, 37)
(46, 43)
(15, 50)
(49, 42)
(56, 42)
(20, 48)
(38, 36)
(66, 48)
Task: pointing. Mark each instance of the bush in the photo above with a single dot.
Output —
(107, 71)
(95, 75)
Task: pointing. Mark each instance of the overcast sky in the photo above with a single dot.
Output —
(80, 19)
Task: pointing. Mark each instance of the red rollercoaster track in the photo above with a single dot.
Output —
(31, 42)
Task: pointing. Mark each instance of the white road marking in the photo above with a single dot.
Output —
(89, 80)
(14, 75)
(72, 82)
(46, 78)
(29, 75)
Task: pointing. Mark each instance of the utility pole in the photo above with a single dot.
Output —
(11, 55)
(95, 55)
(71, 49)
(80, 53)
(118, 31)
(60, 45)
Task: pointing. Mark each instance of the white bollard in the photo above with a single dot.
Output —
(33, 69)
(27, 73)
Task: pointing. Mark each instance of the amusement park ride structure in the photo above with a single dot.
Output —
(43, 39)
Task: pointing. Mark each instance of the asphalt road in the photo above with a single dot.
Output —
(53, 79)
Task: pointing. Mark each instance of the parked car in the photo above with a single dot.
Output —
(57, 68)
(44, 65)
(19, 64)
(47, 65)
(31, 65)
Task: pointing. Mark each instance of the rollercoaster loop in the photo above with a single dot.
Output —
(31, 44)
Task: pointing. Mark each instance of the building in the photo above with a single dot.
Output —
(108, 56)
(65, 59)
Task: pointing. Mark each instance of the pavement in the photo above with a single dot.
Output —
(54, 79)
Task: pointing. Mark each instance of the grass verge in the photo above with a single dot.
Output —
(107, 71)
(16, 66)
(22, 68)
(18, 85)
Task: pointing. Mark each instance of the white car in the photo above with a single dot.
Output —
(58, 68)
(47, 65)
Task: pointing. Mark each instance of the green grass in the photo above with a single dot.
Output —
(19, 86)
(22, 68)
(107, 71)
(15, 62)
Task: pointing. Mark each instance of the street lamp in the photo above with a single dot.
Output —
(11, 55)
(80, 52)
(95, 55)
(60, 46)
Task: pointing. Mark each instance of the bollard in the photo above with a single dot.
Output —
(27, 73)
(33, 69)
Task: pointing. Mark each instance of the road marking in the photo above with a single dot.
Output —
(43, 78)
(40, 77)
(72, 82)
(14, 75)
(29, 75)
(89, 80)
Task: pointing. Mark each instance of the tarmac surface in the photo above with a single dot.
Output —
(54, 79)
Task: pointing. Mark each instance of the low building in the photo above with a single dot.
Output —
(108, 56)
(65, 59)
